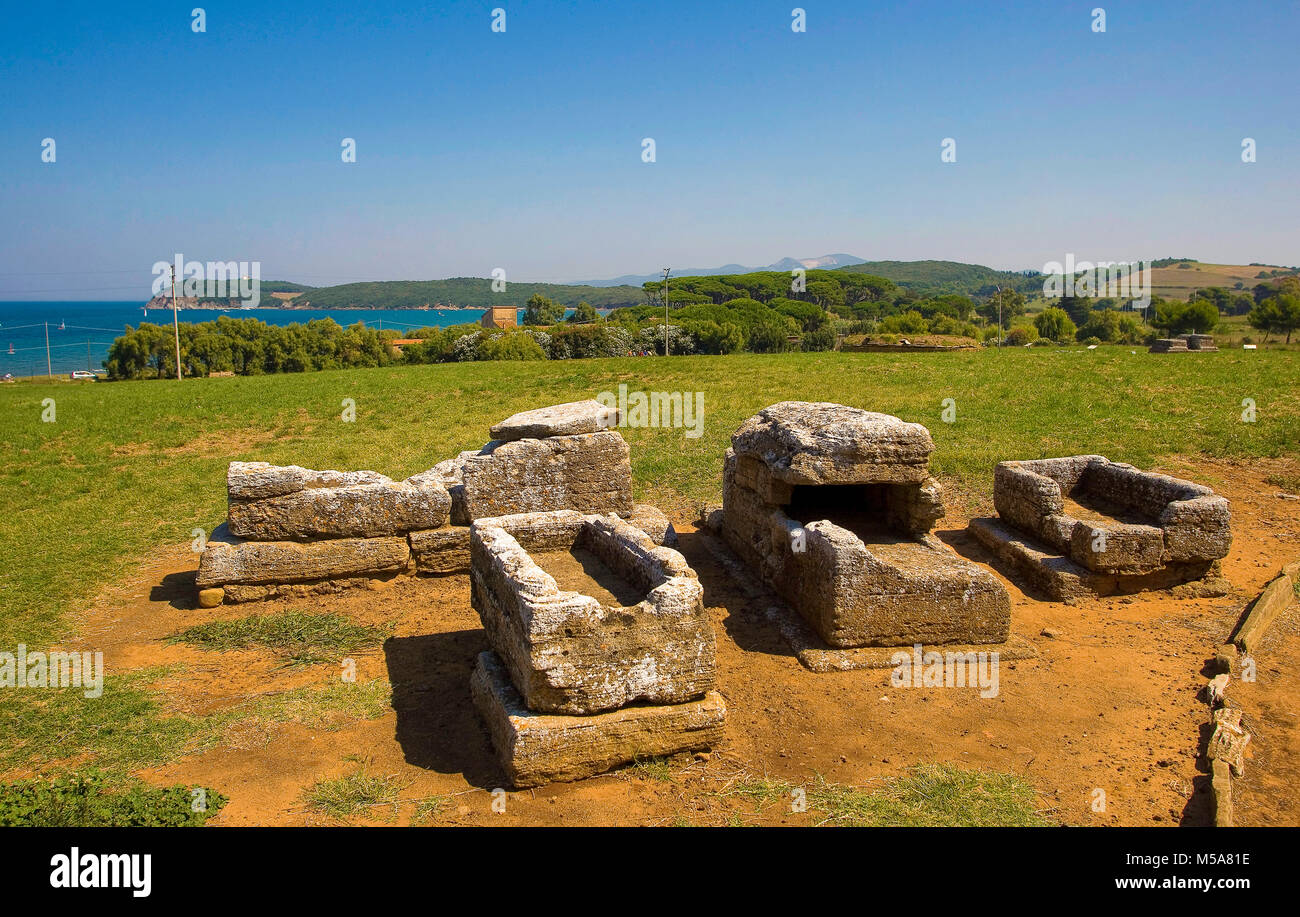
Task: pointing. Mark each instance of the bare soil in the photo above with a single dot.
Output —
(579, 570)
(1110, 703)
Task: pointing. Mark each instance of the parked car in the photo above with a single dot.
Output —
(82, 374)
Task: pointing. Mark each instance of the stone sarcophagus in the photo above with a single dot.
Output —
(602, 652)
(833, 507)
(1087, 524)
(645, 638)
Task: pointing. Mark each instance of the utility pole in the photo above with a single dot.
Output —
(49, 371)
(998, 294)
(176, 326)
(667, 270)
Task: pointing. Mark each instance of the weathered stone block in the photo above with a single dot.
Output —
(1035, 566)
(587, 472)
(444, 550)
(452, 474)
(652, 521)
(537, 748)
(1114, 547)
(259, 480)
(557, 420)
(568, 653)
(236, 594)
(227, 559)
(370, 510)
(804, 442)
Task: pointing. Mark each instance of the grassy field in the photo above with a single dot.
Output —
(127, 468)
(1179, 282)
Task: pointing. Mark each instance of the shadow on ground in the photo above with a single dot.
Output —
(745, 623)
(437, 727)
(177, 590)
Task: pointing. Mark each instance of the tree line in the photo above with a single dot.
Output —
(759, 312)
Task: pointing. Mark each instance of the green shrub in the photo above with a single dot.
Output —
(771, 336)
(651, 339)
(821, 339)
(910, 322)
(1055, 324)
(1113, 327)
(1198, 316)
(511, 346)
(719, 337)
(588, 341)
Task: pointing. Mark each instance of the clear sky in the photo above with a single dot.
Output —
(523, 150)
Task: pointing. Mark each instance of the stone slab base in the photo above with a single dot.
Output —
(816, 656)
(813, 652)
(229, 560)
(1034, 565)
(235, 594)
(535, 749)
(441, 551)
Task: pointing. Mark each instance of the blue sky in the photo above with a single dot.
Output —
(522, 150)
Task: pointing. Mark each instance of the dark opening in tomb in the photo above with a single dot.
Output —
(863, 509)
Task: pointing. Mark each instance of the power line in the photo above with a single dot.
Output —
(66, 273)
(57, 346)
(76, 289)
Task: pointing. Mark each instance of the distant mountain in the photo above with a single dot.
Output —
(825, 262)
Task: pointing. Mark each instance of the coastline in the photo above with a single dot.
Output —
(233, 305)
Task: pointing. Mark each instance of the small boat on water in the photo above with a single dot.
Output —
(11, 348)
(62, 326)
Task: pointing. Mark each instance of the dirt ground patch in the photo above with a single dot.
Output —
(1110, 702)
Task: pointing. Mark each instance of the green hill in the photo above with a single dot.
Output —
(934, 278)
(284, 286)
(464, 292)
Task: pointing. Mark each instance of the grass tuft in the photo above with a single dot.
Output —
(659, 769)
(354, 793)
(929, 795)
(428, 809)
(1289, 483)
(301, 638)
